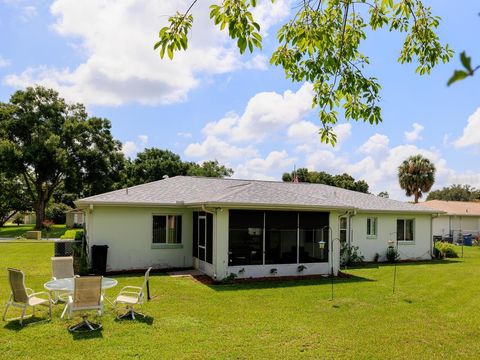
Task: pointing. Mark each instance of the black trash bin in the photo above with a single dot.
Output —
(99, 259)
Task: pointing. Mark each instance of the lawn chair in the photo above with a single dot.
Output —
(23, 297)
(87, 296)
(62, 268)
(131, 296)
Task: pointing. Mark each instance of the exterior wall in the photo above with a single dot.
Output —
(445, 224)
(441, 225)
(418, 249)
(128, 233)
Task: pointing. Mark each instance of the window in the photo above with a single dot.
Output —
(343, 230)
(372, 227)
(405, 229)
(167, 229)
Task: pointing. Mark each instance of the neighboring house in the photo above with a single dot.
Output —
(248, 228)
(458, 218)
(29, 218)
(74, 217)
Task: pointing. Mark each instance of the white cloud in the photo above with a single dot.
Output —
(471, 133)
(4, 62)
(414, 134)
(120, 64)
(376, 144)
(215, 148)
(129, 148)
(265, 113)
(259, 168)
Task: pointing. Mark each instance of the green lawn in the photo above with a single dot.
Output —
(433, 314)
(13, 231)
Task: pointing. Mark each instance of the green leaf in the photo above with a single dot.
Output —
(457, 75)
(170, 52)
(466, 61)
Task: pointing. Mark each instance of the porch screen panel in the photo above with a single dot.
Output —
(209, 238)
(281, 237)
(313, 228)
(245, 241)
(195, 235)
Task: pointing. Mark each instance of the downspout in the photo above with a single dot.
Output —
(350, 230)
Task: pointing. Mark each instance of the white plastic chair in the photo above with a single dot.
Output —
(87, 296)
(131, 296)
(23, 297)
(62, 268)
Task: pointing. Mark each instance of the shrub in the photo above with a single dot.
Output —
(376, 257)
(75, 234)
(56, 213)
(446, 249)
(350, 255)
(392, 254)
(19, 219)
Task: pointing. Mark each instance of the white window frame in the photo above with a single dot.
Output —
(405, 230)
(374, 221)
(160, 245)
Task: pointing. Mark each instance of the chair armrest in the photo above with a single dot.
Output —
(41, 293)
(54, 278)
(29, 291)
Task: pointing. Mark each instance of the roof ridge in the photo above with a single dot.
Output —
(234, 191)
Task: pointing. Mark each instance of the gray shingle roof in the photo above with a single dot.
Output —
(190, 190)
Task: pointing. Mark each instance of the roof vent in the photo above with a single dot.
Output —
(126, 190)
(165, 177)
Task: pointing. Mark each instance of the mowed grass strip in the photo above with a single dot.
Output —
(433, 314)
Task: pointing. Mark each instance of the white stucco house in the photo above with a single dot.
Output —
(249, 228)
(455, 218)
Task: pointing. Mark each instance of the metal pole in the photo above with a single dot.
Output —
(148, 290)
(331, 299)
(395, 262)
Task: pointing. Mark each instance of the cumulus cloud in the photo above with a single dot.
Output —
(259, 168)
(414, 134)
(215, 148)
(471, 133)
(120, 65)
(131, 148)
(376, 144)
(265, 113)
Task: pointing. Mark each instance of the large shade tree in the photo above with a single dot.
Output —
(12, 197)
(344, 181)
(154, 164)
(416, 176)
(50, 143)
(321, 43)
(455, 192)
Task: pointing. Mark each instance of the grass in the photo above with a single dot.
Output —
(13, 231)
(433, 314)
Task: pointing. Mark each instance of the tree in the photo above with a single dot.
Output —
(455, 192)
(344, 181)
(12, 198)
(321, 44)
(49, 143)
(383, 194)
(209, 169)
(154, 164)
(416, 176)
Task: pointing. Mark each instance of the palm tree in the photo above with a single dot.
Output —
(416, 175)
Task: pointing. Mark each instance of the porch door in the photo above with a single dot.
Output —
(202, 237)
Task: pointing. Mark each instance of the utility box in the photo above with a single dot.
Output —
(36, 235)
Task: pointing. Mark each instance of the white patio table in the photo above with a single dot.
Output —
(67, 284)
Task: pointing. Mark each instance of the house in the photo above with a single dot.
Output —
(455, 219)
(249, 228)
(74, 218)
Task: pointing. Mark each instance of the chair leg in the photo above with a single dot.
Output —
(6, 308)
(64, 310)
(50, 310)
(23, 315)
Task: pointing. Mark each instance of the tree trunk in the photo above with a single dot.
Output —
(40, 212)
(417, 196)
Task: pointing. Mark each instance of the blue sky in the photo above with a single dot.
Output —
(211, 102)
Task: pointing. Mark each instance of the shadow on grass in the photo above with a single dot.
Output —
(14, 324)
(148, 320)
(95, 334)
(256, 284)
